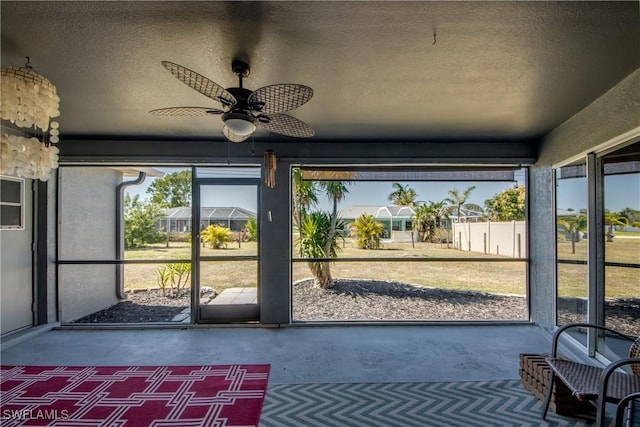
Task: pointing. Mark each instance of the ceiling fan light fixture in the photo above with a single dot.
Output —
(240, 127)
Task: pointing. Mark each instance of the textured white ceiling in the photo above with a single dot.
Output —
(506, 70)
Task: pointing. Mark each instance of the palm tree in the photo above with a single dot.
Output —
(305, 195)
(458, 200)
(336, 191)
(314, 230)
(403, 195)
(319, 231)
(573, 226)
(613, 220)
(422, 221)
(367, 231)
(428, 219)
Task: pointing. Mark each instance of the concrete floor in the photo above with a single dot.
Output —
(301, 354)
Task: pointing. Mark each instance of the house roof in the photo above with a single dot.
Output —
(395, 211)
(392, 211)
(210, 213)
(509, 71)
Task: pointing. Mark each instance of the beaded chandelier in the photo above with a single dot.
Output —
(29, 101)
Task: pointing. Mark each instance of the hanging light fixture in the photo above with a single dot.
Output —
(29, 101)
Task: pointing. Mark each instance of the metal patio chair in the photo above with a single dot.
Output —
(592, 383)
(628, 411)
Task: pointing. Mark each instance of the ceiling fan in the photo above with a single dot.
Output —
(244, 110)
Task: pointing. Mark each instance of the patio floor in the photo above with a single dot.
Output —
(316, 354)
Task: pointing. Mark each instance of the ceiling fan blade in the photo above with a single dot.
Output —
(288, 125)
(200, 83)
(232, 136)
(280, 98)
(185, 111)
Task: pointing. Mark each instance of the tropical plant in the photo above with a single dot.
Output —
(402, 195)
(428, 221)
(172, 190)
(252, 229)
(216, 236)
(314, 242)
(367, 231)
(573, 225)
(336, 191)
(613, 220)
(176, 276)
(305, 195)
(140, 219)
(633, 215)
(457, 200)
(164, 276)
(508, 205)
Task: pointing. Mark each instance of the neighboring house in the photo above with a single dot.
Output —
(394, 218)
(398, 220)
(178, 220)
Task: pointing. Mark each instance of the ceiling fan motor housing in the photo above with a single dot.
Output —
(241, 109)
(240, 68)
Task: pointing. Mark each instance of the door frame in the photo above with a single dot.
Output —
(241, 313)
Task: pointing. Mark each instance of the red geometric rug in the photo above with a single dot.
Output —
(186, 396)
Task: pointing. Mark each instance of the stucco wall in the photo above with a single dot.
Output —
(615, 113)
(16, 285)
(87, 232)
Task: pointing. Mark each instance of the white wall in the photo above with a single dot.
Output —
(495, 238)
(87, 232)
(615, 113)
(16, 269)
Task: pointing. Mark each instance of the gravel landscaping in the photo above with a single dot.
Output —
(141, 307)
(371, 300)
(382, 300)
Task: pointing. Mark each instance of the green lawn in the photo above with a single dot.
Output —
(620, 282)
(493, 277)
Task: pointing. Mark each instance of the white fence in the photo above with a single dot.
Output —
(495, 238)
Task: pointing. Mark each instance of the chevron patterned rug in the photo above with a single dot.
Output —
(464, 404)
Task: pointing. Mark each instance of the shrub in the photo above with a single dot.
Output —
(252, 228)
(367, 231)
(216, 236)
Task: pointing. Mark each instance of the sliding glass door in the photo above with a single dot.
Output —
(598, 245)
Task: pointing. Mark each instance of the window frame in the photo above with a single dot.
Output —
(22, 191)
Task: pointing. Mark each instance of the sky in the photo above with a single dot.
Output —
(621, 191)
(377, 193)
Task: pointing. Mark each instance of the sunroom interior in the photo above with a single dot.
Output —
(402, 91)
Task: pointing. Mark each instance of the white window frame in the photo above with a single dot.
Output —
(19, 204)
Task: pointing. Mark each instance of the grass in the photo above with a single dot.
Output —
(219, 275)
(635, 234)
(620, 282)
(493, 277)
